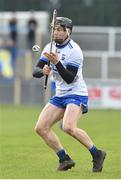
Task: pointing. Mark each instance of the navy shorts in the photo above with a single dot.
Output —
(63, 101)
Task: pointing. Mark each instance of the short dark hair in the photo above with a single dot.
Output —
(65, 22)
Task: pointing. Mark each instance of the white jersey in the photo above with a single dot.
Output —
(68, 54)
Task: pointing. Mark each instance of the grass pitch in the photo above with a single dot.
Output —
(23, 155)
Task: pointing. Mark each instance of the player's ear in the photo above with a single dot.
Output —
(69, 30)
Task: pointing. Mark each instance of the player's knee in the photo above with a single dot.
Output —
(37, 129)
(68, 129)
(40, 130)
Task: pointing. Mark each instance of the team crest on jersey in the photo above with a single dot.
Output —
(63, 57)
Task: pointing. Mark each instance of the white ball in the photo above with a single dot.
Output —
(35, 48)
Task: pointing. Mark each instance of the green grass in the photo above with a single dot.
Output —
(23, 155)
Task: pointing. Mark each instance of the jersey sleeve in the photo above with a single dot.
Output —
(43, 57)
(75, 58)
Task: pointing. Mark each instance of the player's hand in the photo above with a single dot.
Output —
(46, 70)
(53, 58)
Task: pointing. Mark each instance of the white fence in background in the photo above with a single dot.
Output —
(108, 65)
(112, 34)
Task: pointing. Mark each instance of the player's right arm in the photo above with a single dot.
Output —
(41, 68)
(38, 69)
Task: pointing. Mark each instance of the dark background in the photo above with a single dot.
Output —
(82, 12)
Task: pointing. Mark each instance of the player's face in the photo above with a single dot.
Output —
(59, 34)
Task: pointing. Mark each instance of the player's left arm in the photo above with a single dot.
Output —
(68, 73)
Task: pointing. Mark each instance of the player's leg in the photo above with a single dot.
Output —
(49, 115)
(70, 119)
(71, 116)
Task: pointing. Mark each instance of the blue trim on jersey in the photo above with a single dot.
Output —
(72, 64)
(63, 101)
(43, 59)
(62, 46)
(69, 44)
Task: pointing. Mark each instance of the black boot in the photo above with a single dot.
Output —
(98, 161)
(65, 164)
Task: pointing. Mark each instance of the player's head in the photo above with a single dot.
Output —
(63, 29)
(64, 22)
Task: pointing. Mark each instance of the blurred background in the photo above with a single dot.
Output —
(97, 29)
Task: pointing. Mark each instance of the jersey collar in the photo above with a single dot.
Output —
(62, 46)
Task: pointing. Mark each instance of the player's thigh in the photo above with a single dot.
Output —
(49, 115)
(72, 115)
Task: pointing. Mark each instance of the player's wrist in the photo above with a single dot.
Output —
(57, 62)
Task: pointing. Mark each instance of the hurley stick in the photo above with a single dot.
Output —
(51, 42)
